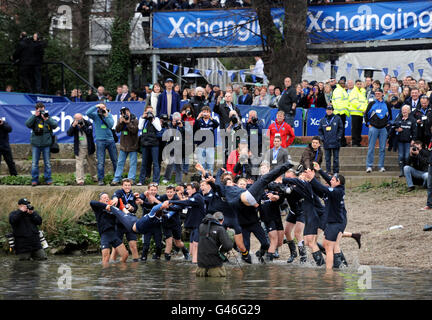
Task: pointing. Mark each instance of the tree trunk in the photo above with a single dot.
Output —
(284, 55)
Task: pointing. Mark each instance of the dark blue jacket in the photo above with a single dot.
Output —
(245, 99)
(105, 220)
(196, 212)
(162, 104)
(25, 230)
(88, 130)
(333, 198)
(331, 139)
(5, 129)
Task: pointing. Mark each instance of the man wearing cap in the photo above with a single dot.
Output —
(214, 241)
(330, 131)
(357, 106)
(25, 222)
(340, 104)
(168, 101)
(377, 118)
(128, 126)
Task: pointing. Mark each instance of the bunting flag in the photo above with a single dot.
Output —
(220, 72)
(310, 63)
(335, 68)
(385, 71)
(197, 71)
(231, 75)
(411, 66)
(208, 73)
(167, 65)
(254, 78)
(175, 69)
(360, 71)
(185, 70)
(242, 75)
(420, 71)
(348, 68)
(321, 66)
(396, 73)
(309, 70)
(429, 60)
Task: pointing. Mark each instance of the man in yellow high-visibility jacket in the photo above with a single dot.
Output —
(357, 106)
(340, 105)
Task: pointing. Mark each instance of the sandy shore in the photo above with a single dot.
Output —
(370, 212)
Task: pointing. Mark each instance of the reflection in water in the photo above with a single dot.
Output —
(176, 280)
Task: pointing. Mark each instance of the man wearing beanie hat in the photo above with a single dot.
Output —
(25, 222)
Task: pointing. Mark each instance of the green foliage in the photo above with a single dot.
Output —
(119, 59)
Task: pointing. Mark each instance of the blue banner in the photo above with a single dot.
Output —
(329, 23)
(17, 115)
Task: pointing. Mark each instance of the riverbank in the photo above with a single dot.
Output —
(371, 211)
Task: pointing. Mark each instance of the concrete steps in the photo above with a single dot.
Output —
(352, 163)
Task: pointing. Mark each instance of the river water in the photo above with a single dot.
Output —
(84, 277)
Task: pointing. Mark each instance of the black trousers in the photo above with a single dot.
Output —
(356, 128)
(343, 140)
(7, 155)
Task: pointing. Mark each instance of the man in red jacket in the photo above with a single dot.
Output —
(282, 129)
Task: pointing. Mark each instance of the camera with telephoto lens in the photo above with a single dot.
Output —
(149, 115)
(44, 113)
(124, 114)
(11, 241)
(189, 113)
(178, 122)
(81, 123)
(30, 207)
(101, 111)
(254, 120)
(234, 120)
(414, 148)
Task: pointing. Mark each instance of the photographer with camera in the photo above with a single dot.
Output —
(176, 124)
(417, 165)
(205, 154)
(128, 126)
(41, 139)
(5, 149)
(254, 128)
(84, 147)
(213, 240)
(224, 109)
(25, 221)
(423, 116)
(103, 121)
(150, 126)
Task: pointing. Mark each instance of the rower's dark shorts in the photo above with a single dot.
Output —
(121, 231)
(332, 230)
(274, 224)
(311, 225)
(294, 217)
(110, 239)
(174, 231)
(232, 222)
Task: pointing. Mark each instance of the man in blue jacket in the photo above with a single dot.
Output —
(330, 131)
(377, 118)
(103, 121)
(168, 101)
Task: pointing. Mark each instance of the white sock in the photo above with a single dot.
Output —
(300, 244)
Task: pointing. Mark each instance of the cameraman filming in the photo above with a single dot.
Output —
(103, 121)
(24, 222)
(128, 126)
(417, 165)
(176, 124)
(254, 127)
(42, 126)
(84, 147)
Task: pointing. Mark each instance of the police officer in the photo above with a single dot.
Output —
(357, 106)
(340, 104)
(213, 240)
(25, 221)
(330, 131)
